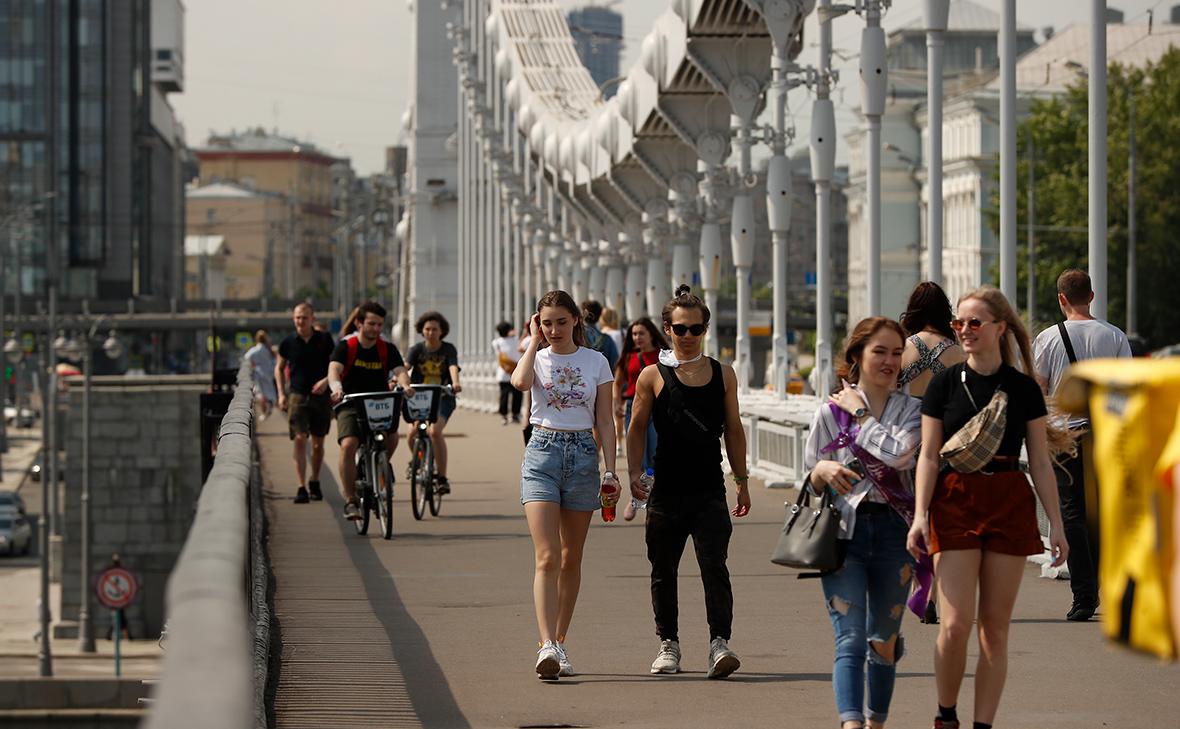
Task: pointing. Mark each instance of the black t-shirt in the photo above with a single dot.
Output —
(308, 359)
(432, 368)
(367, 373)
(946, 400)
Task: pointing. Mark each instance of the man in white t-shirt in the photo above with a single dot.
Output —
(506, 347)
(1079, 337)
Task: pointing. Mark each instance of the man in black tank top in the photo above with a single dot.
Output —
(693, 401)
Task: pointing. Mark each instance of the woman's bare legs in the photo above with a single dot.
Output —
(999, 582)
(958, 574)
(559, 537)
(575, 525)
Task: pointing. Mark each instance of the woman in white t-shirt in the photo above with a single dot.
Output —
(505, 347)
(571, 388)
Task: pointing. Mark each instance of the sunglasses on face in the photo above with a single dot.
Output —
(973, 324)
(681, 329)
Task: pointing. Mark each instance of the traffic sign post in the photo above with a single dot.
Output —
(116, 588)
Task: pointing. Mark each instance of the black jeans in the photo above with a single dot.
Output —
(508, 392)
(1083, 546)
(668, 529)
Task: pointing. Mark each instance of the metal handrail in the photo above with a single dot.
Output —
(208, 671)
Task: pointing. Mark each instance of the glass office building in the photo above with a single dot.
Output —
(598, 35)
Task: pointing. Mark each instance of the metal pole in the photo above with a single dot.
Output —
(778, 207)
(1097, 146)
(44, 653)
(4, 288)
(936, 21)
(823, 146)
(85, 623)
(873, 85)
(873, 190)
(17, 253)
(1132, 294)
(1008, 150)
(1032, 246)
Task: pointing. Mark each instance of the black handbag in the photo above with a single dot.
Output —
(810, 536)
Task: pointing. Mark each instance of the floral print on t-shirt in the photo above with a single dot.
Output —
(567, 389)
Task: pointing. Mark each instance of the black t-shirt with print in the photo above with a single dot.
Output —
(946, 400)
(432, 368)
(308, 359)
(367, 373)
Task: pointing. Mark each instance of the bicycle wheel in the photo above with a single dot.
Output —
(362, 492)
(384, 484)
(435, 495)
(420, 478)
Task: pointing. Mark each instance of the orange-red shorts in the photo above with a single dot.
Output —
(995, 512)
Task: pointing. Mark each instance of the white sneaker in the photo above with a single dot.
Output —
(668, 659)
(563, 660)
(722, 661)
(548, 661)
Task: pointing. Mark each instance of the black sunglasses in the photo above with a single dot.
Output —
(973, 324)
(681, 329)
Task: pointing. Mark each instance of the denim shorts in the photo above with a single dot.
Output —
(561, 467)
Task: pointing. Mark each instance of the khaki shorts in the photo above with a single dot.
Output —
(348, 424)
(308, 414)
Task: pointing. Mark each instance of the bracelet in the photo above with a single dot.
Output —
(740, 479)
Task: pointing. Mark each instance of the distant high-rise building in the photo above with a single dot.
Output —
(598, 34)
(93, 159)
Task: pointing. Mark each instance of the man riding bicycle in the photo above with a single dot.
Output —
(435, 362)
(364, 363)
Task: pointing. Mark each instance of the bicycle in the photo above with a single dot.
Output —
(374, 474)
(422, 408)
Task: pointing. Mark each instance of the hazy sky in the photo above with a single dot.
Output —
(337, 74)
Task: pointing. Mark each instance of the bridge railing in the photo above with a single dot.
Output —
(217, 653)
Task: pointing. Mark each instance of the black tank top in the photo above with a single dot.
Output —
(689, 424)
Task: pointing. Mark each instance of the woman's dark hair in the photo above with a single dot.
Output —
(433, 316)
(657, 338)
(503, 328)
(591, 310)
(563, 300)
(684, 298)
(369, 307)
(854, 347)
(928, 307)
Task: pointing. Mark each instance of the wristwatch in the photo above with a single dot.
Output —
(859, 413)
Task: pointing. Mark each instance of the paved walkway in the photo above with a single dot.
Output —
(435, 628)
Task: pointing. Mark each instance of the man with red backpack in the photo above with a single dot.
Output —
(364, 363)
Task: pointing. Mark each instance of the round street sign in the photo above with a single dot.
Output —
(116, 588)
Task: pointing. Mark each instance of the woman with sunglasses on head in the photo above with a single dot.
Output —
(559, 484)
(981, 526)
(641, 348)
(861, 445)
(929, 349)
(693, 402)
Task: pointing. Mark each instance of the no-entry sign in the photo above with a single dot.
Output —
(116, 588)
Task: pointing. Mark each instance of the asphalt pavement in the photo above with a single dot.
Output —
(435, 627)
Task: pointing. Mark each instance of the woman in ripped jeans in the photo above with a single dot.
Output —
(862, 445)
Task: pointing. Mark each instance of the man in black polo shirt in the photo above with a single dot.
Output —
(302, 377)
(366, 366)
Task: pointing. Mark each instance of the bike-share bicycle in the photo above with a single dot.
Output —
(374, 475)
(422, 408)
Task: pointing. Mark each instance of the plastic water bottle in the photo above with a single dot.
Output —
(608, 495)
(647, 480)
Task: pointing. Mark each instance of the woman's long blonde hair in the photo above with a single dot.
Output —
(1015, 343)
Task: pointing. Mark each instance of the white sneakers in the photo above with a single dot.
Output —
(668, 659)
(548, 661)
(563, 660)
(553, 661)
(722, 661)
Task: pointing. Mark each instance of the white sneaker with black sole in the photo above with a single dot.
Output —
(668, 659)
(566, 668)
(548, 661)
(722, 660)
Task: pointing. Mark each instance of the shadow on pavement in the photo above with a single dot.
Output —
(425, 681)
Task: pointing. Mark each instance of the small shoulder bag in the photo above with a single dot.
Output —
(975, 444)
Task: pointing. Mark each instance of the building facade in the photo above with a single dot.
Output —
(302, 175)
(598, 36)
(252, 224)
(92, 151)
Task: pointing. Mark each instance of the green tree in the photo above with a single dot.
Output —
(1059, 128)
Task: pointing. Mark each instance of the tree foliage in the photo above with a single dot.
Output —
(1059, 128)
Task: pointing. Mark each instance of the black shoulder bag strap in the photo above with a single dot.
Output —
(1073, 358)
(677, 410)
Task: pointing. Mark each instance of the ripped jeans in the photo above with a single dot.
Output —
(866, 600)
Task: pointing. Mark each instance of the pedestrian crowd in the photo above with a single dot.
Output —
(915, 459)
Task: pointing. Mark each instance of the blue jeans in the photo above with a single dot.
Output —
(561, 467)
(649, 448)
(866, 599)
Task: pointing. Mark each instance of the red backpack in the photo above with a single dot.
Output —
(354, 347)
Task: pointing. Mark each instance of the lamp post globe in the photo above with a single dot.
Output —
(12, 351)
(113, 346)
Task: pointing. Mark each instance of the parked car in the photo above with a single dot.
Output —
(12, 500)
(16, 534)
